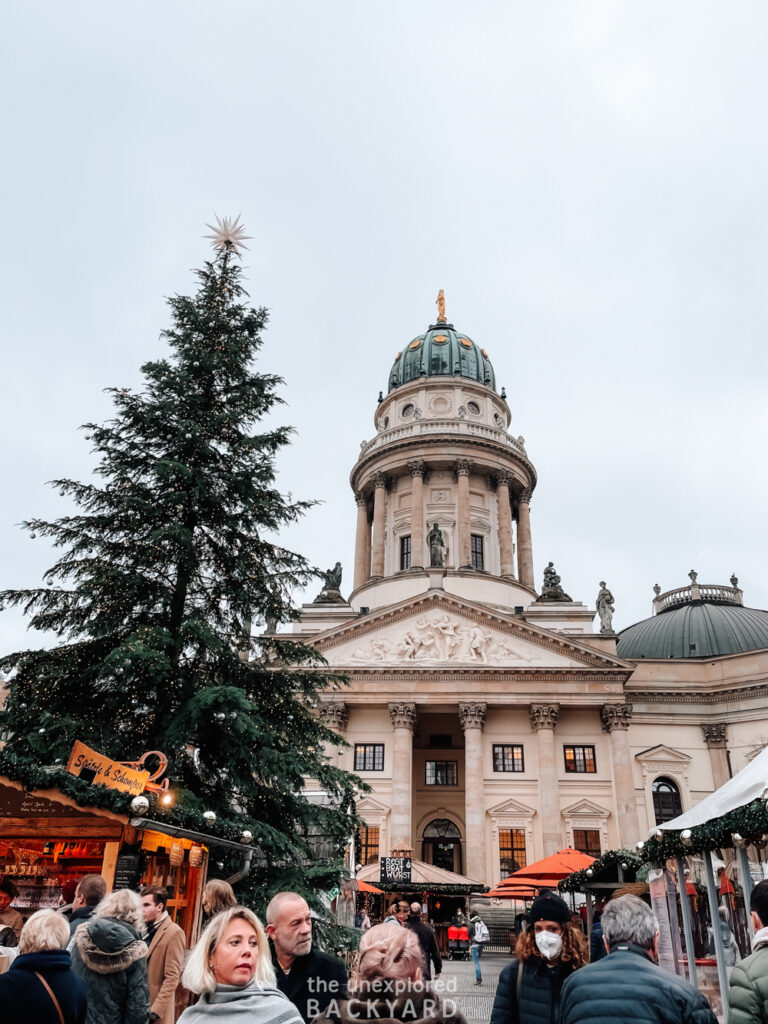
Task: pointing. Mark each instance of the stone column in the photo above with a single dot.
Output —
(362, 542)
(616, 718)
(464, 553)
(524, 545)
(379, 502)
(714, 734)
(543, 721)
(506, 546)
(472, 718)
(417, 514)
(403, 718)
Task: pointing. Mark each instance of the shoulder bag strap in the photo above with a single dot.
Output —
(519, 979)
(50, 992)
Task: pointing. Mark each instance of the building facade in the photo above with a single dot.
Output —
(496, 723)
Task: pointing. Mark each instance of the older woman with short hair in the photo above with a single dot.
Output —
(231, 970)
(110, 957)
(389, 984)
(40, 985)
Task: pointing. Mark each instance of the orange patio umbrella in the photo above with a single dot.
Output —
(551, 869)
(365, 887)
(515, 891)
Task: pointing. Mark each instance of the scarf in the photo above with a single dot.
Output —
(241, 1003)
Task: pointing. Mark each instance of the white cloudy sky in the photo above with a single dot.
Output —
(586, 180)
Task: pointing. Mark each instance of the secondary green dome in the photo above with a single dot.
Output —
(713, 625)
(442, 351)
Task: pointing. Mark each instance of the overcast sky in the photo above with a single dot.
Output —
(587, 182)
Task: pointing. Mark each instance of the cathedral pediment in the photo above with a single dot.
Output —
(438, 628)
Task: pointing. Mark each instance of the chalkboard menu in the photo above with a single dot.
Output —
(127, 871)
(395, 869)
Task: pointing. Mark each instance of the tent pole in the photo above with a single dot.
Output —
(719, 950)
(747, 885)
(685, 908)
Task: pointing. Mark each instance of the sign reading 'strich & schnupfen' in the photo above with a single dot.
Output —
(91, 766)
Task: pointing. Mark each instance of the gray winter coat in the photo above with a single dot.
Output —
(748, 990)
(111, 961)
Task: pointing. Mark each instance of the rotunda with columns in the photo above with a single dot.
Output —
(495, 721)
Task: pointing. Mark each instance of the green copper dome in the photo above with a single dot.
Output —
(442, 351)
(697, 629)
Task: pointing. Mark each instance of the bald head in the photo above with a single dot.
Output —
(289, 925)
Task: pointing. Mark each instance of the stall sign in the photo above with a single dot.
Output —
(93, 767)
(395, 869)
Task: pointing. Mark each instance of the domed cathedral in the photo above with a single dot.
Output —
(494, 722)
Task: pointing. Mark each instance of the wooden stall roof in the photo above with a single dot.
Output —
(28, 814)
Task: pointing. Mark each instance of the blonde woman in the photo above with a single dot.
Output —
(389, 985)
(231, 970)
(110, 958)
(41, 976)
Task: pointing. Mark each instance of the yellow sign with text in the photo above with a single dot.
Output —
(93, 767)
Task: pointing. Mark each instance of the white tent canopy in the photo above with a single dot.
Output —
(749, 784)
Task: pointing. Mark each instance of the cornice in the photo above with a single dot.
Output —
(699, 697)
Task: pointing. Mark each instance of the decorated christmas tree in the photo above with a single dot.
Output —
(170, 558)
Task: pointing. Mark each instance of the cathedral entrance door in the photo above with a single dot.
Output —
(441, 845)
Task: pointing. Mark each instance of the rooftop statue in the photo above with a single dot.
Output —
(331, 594)
(605, 608)
(441, 307)
(552, 590)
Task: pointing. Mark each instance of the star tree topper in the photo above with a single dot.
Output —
(228, 233)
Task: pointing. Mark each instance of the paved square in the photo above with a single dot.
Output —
(474, 1001)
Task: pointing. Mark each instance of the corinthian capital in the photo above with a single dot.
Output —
(714, 734)
(379, 480)
(335, 715)
(472, 716)
(361, 498)
(615, 716)
(525, 495)
(403, 716)
(417, 467)
(544, 716)
(462, 467)
(504, 479)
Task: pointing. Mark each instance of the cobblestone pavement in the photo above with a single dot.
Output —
(474, 1001)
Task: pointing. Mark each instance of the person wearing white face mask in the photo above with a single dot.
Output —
(548, 952)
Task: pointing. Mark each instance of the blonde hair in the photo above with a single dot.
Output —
(123, 905)
(198, 976)
(388, 951)
(46, 929)
(219, 895)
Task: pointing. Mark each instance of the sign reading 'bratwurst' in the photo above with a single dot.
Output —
(93, 767)
(395, 869)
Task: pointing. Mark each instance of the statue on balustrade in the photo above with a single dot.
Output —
(605, 608)
(552, 590)
(331, 593)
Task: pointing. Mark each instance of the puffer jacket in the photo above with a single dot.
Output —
(626, 987)
(111, 960)
(748, 990)
(540, 986)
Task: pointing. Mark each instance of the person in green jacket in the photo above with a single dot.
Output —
(748, 990)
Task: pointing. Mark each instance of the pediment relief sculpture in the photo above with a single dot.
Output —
(443, 639)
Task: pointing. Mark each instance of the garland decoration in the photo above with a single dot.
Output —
(743, 826)
(600, 869)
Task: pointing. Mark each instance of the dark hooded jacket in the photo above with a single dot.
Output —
(539, 992)
(24, 999)
(80, 916)
(111, 959)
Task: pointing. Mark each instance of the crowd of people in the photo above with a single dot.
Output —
(118, 958)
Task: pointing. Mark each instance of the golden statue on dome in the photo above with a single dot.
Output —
(441, 307)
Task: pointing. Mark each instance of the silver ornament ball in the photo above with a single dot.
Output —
(246, 836)
(209, 817)
(685, 837)
(139, 805)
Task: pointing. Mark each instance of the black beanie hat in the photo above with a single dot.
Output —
(549, 907)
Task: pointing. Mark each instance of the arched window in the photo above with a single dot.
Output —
(666, 800)
(441, 845)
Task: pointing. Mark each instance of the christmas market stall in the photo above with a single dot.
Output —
(444, 895)
(49, 837)
(613, 872)
(702, 868)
